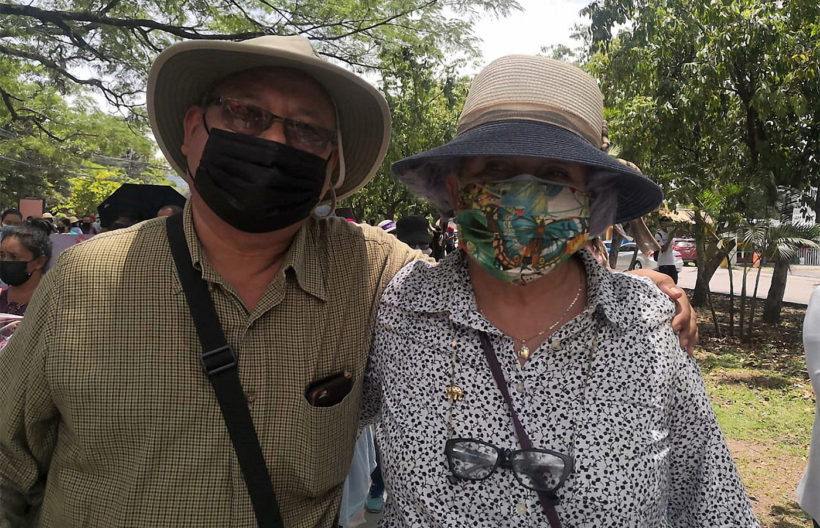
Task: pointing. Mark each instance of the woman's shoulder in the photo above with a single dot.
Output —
(636, 300)
(426, 287)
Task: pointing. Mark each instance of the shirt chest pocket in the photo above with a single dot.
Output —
(621, 463)
(321, 457)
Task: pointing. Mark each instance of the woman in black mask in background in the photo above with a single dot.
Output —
(24, 252)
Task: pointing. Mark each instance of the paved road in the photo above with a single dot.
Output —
(799, 286)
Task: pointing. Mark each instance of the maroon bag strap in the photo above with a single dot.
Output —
(547, 499)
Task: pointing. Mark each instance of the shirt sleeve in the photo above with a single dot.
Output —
(383, 342)
(28, 416)
(400, 255)
(706, 490)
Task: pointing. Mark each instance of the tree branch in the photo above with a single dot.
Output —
(56, 17)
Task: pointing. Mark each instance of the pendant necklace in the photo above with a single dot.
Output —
(523, 353)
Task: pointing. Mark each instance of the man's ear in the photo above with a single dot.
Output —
(190, 125)
(193, 125)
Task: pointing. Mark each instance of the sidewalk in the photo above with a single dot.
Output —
(800, 284)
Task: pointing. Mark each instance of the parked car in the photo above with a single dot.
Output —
(687, 249)
(642, 261)
(625, 258)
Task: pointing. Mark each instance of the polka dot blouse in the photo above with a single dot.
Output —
(611, 388)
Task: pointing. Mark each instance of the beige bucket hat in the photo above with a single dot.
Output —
(184, 72)
(529, 106)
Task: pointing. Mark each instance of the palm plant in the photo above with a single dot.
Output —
(777, 242)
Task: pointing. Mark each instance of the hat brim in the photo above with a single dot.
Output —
(425, 173)
(182, 74)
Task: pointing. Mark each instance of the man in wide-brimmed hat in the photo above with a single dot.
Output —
(519, 382)
(110, 412)
(108, 416)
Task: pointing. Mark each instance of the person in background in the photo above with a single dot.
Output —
(168, 210)
(63, 225)
(388, 226)
(666, 256)
(450, 238)
(808, 491)
(24, 252)
(357, 483)
(40, 223)
(74, 226)
(87, 226)
(48, 217)
(11, 217)
(414, 230)
(126, 218)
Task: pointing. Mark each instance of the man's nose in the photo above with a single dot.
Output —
(275, 132)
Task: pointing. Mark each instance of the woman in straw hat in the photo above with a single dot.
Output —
(519, 383)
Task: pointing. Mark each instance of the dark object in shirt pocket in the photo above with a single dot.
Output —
(329, 391)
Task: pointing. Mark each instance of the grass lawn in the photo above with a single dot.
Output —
(764, 402)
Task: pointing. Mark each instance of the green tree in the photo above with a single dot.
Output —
(48, 138)
(425, 97)
(88, 192)
(59, 48)
(109, 45)
(717, 101)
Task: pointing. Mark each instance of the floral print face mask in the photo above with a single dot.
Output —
(522, 228)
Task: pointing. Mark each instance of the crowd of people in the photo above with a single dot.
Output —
(213, 367)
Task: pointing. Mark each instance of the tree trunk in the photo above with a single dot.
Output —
(771, 312)
(753, 306)
(614, 249)
(742, 325)
(731, 297)
(718, 333)
(707, 266)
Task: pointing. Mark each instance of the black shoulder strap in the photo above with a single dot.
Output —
(219, 362)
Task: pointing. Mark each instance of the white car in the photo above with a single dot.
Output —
(642, 261)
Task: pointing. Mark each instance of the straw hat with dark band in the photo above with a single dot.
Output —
(528, 106)
(183, 73)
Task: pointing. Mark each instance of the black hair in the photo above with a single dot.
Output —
(33, 238)
(10, 211)
(41, 224)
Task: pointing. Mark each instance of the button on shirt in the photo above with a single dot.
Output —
(107, 418)
(611, 388)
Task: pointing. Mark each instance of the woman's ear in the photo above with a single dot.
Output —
(451, 182)
(39, 263)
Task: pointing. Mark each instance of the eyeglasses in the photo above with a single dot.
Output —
(536, 469)
(251, 120)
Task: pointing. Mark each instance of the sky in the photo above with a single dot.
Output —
(541, 23)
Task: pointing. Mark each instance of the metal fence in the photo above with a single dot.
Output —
(809, 256)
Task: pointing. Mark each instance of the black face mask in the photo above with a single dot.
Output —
(14, 272)
(256, 185)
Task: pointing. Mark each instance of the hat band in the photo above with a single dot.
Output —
(548, 116)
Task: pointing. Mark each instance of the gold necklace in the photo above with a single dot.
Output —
(523, 352)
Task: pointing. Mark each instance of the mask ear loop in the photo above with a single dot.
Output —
(339, 179)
